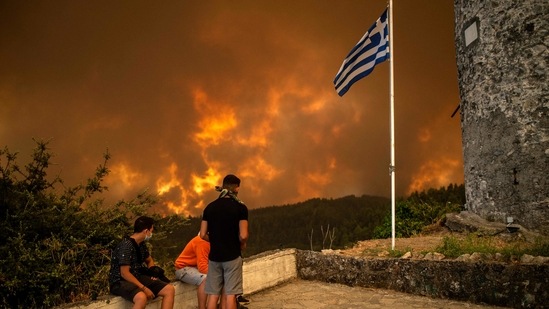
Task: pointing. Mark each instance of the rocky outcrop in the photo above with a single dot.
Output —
(467, 221)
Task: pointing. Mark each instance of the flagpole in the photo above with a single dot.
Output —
(369, 51)
(392, 99)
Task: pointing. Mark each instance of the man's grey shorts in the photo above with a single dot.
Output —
(190, 275)
(226, 275)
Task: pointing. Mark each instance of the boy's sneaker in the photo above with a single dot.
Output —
(242, 300)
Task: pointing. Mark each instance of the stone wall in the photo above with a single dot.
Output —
(509, 285)
(504, 90)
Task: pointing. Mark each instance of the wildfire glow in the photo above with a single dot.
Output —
(214, 128)
(206, 182)
(435, 174)
(166, 185)
(424, 135)
(216, 120)
(123, 173)
(177, 197)
(315, 105)
(312, 184)
(243, 89)
(122, 179)
(260, 135)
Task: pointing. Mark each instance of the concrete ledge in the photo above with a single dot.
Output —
(494, 283)
(185, 297)
(260, 272)
(269, 269)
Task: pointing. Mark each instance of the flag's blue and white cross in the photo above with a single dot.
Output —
(373, 48)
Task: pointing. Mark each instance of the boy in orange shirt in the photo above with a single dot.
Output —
(192, 266)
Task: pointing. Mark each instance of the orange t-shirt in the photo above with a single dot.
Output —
(195, 254)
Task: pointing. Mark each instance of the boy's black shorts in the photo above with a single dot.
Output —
(127, 290)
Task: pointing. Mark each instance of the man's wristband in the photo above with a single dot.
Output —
(142, 288)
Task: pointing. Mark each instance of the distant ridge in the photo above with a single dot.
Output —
(323, 222)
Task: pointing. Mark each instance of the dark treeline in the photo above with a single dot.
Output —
(324, 223)
(318, 223)
(453, 194)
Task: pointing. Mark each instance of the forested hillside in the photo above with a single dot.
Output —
(317, 223)
(331, 223)
(322, 223)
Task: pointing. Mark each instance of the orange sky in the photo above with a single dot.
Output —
(184, 92)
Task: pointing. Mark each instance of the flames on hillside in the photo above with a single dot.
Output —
(220, 138)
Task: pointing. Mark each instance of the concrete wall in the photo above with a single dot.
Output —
(503, 68)
(260, 272)
(269, 269)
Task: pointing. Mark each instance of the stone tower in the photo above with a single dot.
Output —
(502, 49)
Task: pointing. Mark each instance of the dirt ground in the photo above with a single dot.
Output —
(426, 242)
(382, 247)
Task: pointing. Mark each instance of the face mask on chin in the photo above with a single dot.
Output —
(148, 237)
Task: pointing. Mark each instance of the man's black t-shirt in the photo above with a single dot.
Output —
(223, 216)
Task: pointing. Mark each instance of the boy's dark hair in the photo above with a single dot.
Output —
(143, 223)
(231, 181)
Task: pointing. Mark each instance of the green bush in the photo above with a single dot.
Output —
(540, 248)
(453, 246)
(56, 241)
(420, 210)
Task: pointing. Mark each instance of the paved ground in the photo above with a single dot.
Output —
(300, 294)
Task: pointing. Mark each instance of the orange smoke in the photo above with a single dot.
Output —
(313, 184)
(216, 120)
(436, 174)
(123, 179)
(167, 184)
(256, 171)
(207, 181)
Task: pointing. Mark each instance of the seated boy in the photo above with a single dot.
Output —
(192, 266)
(129, 258)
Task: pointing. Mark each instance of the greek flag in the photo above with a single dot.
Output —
(373, 48)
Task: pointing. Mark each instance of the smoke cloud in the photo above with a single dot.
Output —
(182, 93)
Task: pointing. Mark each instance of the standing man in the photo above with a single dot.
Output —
(192, 266)
(130, 260)
(225, 225)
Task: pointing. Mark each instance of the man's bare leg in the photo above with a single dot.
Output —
(139, 301)
(168, 296)
(230, 301)
(201, 295)
(211, 303)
